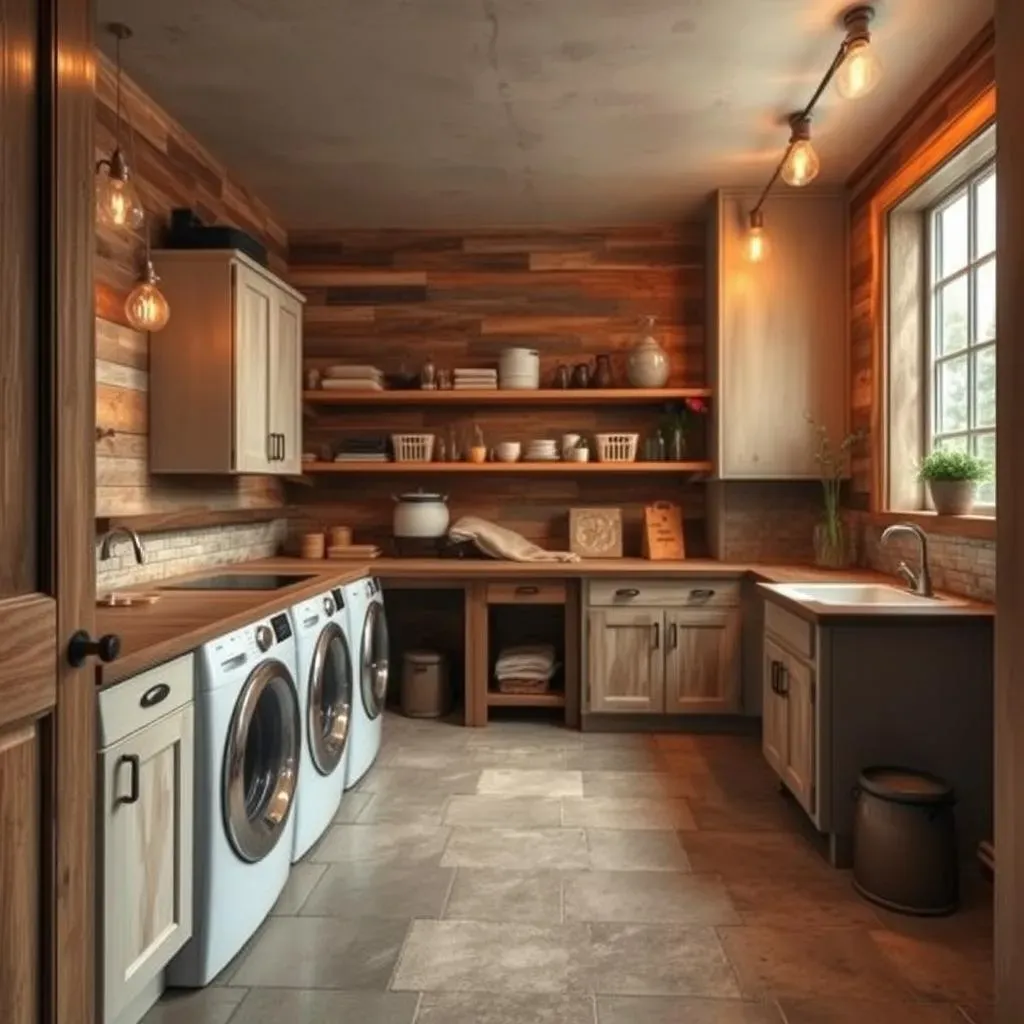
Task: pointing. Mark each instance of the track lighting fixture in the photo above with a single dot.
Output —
(856, 70)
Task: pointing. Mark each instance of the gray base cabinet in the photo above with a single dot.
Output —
(662, 647)
(840, 695)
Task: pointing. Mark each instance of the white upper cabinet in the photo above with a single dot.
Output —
(778, 334)
(226, 372)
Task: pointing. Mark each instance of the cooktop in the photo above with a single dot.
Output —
(238, 581)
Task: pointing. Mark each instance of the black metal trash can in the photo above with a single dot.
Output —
(904, 841)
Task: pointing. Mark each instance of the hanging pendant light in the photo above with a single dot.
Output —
(861, 70)
(146, 307)
(801, 165)
(756, 247)
(117, 200)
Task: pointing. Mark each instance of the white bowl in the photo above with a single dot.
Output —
(508, 451)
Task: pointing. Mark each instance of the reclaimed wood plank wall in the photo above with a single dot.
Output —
(170, 169)
(961, 85)
(393, 298)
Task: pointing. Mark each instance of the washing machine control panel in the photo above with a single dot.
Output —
(328, 605)
(281, 626)
(339, 598)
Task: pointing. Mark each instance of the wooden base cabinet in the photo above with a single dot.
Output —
(145, 835)
(789, 727)
(840, 695)
(627, 666)
(664, 647)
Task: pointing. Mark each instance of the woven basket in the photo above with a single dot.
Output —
(617, 447)
(413, 447)
(524, 685)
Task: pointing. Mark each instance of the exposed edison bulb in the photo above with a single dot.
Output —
(801, 165)
(146, 307)
(756, 246)
(860, 71)
(117, 201)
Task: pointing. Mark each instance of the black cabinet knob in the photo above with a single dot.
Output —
(82, 646)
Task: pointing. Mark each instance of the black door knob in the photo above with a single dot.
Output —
(82, 646)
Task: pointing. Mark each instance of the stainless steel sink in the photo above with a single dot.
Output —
(861, 594)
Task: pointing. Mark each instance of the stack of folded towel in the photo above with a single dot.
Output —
(525, 669)
(467, 379)
(353, 378)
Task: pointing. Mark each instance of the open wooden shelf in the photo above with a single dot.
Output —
(549, 396)
(525, 700)
(189, 518)
(567, 468)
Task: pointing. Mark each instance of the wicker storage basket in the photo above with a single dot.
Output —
(524, 685)
(617, 447)
(413, 447)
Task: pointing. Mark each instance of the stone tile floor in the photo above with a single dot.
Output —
(524, 873)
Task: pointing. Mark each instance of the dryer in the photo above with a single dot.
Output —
(326, 679)
(246, 768)
(369, 632)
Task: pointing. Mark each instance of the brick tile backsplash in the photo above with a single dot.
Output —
(961, 565)
(767, 521)
(180, 551)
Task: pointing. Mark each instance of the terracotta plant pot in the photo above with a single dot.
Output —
(953, 497)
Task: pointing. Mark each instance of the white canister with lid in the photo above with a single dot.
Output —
(420, 514)
(519, 369)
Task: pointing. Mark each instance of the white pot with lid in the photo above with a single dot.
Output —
(420, 514)
(519, 369)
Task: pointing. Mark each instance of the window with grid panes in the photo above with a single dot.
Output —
(961, 410)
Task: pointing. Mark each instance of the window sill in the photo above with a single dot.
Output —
(974, 527)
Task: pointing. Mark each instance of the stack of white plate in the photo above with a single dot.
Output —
(542, 451)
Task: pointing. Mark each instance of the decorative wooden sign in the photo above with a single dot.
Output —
(595, 532)
(663, 532)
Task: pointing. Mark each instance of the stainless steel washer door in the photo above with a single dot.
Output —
(374, 660)
(261, 761)
(330, 699)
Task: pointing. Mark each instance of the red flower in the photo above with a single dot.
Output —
(696, 405)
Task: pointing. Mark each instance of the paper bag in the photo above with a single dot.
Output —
(663, 532)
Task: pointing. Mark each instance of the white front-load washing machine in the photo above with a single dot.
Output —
(368, 629)
(326, 679)
(246, 769)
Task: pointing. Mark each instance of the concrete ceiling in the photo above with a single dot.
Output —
(465, 113)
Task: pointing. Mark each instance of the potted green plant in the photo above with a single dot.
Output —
(678, 421)
(952, 478)
(831, 544)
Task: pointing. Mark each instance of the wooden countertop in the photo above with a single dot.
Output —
(183, 620)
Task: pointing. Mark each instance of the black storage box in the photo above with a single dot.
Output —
(188, 232)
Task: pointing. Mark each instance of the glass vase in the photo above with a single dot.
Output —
(831, 545)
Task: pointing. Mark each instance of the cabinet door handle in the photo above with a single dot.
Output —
(283, 453)
(783, 681)
(270, 447)
(627, 592)
(526, 591)
(133, 792)
(673, 636)
(701, 594)
(775, 676)
(657, 635)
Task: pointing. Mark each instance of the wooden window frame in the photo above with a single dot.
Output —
(929, 159)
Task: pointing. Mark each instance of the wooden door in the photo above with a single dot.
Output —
(798, 687)
(286, 383)
(146, 822)
(702, 660)
(255, 301)
(626, 660)
(774, 719)
(47, 588)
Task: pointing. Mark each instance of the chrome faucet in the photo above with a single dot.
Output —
(919, 582)
(106, 545)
